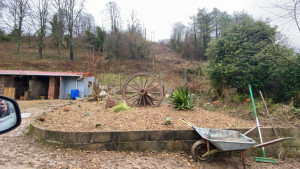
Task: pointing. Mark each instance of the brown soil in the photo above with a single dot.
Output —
(92, 116)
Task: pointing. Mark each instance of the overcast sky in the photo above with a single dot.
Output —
(158, 16)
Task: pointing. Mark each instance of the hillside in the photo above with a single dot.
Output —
(162, 61)
(165, 60)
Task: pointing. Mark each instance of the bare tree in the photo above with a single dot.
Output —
(85, 21)
(16, 12)
(72, 11)
(134, 41)
(112, 41)
(290, 10)
(60, 6)
(113, 16)
(178, 31)
(134, 25)
(177, 36)
(40, 16)
(2, 6)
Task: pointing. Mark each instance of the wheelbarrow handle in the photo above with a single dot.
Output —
(272, 142)
(186, 122)
(247, 132)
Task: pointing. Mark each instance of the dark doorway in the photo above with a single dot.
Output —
(57, 87)
(21, 84)
(39, 87)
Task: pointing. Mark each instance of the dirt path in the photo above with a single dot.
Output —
(19, 150)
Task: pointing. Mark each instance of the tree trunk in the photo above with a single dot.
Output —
(28, 39)
(59, 40)
(71, 45)
(19, 34)
(117, 45)
(18, 45)
(59, 45)
(41, 46)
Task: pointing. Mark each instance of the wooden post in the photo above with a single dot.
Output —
(267, 110)
(120, 82)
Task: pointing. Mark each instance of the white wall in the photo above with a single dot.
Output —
(88, 90)
(69, 83)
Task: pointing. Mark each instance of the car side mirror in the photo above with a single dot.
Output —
(10, 116)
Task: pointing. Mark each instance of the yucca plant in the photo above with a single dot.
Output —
(182, 99)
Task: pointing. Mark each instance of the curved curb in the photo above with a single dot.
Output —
(148, 140)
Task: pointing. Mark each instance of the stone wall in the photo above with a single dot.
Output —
(157, 140)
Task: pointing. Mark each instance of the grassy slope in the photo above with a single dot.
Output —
(28, 59)
(165, 61)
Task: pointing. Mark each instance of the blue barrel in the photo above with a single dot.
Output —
(74, 94)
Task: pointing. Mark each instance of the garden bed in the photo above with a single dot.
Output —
(92, 116)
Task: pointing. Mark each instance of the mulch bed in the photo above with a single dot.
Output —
(92, 116)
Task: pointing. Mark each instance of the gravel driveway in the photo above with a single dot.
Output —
(20, 150)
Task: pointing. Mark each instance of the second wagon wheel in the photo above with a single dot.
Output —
(142, 89)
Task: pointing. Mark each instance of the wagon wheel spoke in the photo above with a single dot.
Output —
(146, 82)
(149, 101)
(150, 84)
(133, 87)
(152, 88)
(144, 101)
(152, 97)
(136, 84)
(132, 92)
(154, 92)
(132, 96)
(141, 81)
(140, 101)
(135, 101)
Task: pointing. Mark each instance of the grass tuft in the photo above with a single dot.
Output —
(121, 107)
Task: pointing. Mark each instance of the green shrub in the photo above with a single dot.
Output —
(121, 107)
(5, 38)
(245, 54)
(296, 112)
(195, 71)
(238, 98)
(182, 99)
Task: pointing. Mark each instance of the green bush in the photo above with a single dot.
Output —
(121, 107)
(4, 37)
(182, 99)
(195, 71)
(238, 98)
(245, 54)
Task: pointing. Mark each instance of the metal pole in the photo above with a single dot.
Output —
(257, 122)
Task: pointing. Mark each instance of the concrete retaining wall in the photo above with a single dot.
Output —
(157, 140)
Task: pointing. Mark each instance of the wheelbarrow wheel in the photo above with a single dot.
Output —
(198, 149)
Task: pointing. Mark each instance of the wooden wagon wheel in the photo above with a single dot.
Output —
(142, 89)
